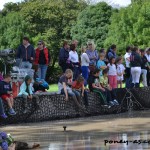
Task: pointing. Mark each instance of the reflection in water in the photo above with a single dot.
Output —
(88, 143)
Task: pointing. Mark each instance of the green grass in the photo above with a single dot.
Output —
(54, 87)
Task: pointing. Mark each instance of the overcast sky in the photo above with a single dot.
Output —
(120, 2)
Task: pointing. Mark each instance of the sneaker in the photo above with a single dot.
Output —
(105, 106)
(12, 112)
(4, 116)
(111, 103)
(115, 102)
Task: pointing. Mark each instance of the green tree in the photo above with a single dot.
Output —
(130, 26)
(92, 23)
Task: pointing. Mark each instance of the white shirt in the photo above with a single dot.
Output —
(73, 56)
(85, 60)
(148, 57)
(112, 70)
(120, 70)
(127, 55)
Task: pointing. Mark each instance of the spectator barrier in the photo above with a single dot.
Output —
(54, 106)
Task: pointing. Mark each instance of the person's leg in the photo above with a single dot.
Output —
(102, 95)
(71, 94)
(36, 101)
(29, 65)
(85, 72)
(25, 100)
(86, 103)
(144, 75)
(148, 77)
(39, 71)
(9, 103)
(110, 78)
(43, 71)
(78, 96)
(12, 101)
(114, 82)
(1, 107)
(137, 76)
(133, 73)
(108, 94)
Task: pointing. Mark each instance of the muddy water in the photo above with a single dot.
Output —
(126, 131)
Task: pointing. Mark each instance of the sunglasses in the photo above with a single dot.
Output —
(39, 43)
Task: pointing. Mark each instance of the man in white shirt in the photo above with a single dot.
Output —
(128, 69)
(148, 68)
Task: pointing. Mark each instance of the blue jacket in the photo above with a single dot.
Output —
(4, 87)
(25, 53)
(63, 56)
(23, 89)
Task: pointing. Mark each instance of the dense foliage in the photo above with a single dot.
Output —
(56, 20)
(92, 23)
(130, 26)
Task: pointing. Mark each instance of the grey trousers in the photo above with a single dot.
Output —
(1, 107)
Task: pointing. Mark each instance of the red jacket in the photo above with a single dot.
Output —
(38, 53)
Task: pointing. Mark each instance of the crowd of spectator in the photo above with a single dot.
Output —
(102, 71)
(85, 70)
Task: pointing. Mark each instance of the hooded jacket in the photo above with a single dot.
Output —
(25, 53)
(23, 87)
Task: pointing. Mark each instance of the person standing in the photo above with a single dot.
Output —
(93, 55)
(74, 59)
(64, 56)
(144, 67)
(148, 67)
(42, 59)
(128, 68)
(85, 64)
(135, 62)
(112, 73)
(26, 53)
(111, 52)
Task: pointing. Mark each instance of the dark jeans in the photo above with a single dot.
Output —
(85, 73)
(85, 98)
(1, 107)
(76, 72)
(148, 77)
(64, 67)
(128, 78)
(105, 95)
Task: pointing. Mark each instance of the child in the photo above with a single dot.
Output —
(120, 71)
(39, 84)
(79, 84)
(26, 93)
(101, 64)
(105, 84)
(112, 73)
(64, 88)
(95, 86)
(2, 114)
(6, 93)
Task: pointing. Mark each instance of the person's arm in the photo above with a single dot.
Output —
(61, 55)
(96, 54)
(32, 54)
(110, 55)
(83, 90)
(98, 87)
(86, 58)
(65, 90)
(18, 53)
